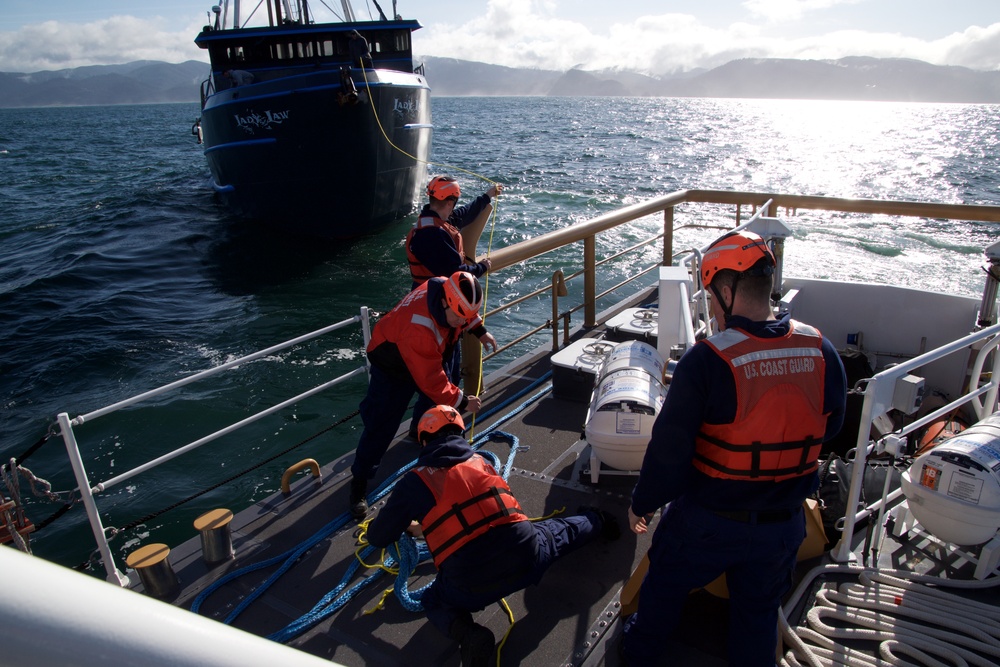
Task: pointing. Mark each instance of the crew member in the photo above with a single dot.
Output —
(409, 353)
(357, 47)
(434, 244)
(482, 543)
(238, 77)
(434, 247)
(734, 452)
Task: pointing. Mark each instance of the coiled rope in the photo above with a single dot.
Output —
(906, 618)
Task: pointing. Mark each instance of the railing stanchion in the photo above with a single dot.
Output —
(590, 281)
(87, 496)
(668, 236)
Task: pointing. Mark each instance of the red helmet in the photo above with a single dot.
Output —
(437, 418)
(443, 187)
(743, 252)
(463, 294)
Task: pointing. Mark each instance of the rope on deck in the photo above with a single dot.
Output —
(409, 555)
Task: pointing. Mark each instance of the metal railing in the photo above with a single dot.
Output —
(589, 230)
(981, 397)
(89, 490)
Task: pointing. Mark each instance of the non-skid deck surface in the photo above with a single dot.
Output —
(564, 620)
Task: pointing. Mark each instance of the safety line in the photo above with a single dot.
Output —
(493, 216)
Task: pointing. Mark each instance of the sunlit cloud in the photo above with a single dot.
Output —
(791, 10)
(517, 34)
(54, 45)
(527, 33)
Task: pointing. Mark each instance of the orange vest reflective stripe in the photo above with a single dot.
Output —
(470, 498)
(779, 426)
(418, 272)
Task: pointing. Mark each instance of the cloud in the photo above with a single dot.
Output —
(54, 45)
(977, 48)
(527, 33)
(521, 33)
(791, 10)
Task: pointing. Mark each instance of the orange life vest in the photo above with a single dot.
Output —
(779, 426)
(421, 343)
(470, 498)
(418, 272)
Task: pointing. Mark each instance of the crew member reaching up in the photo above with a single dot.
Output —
(434, 245)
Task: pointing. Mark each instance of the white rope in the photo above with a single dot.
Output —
(891, 614)
(929, 626)
(827, 652)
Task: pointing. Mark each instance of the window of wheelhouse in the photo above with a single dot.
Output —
(235, 54)
(401, 41)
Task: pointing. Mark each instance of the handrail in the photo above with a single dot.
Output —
(87, 491)
(519, 252)
(588, 230)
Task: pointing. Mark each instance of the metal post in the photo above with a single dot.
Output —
(668, 236)
(841, 553)
(366, 336)
(87, 496)
(590, 282)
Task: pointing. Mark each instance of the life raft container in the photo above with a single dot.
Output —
(953, 490)
(627, 398)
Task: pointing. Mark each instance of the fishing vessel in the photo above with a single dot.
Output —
(318, 129)
(901, 557)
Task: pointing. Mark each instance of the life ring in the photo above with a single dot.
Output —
(940, 430)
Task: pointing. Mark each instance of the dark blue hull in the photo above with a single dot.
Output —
(299, 154)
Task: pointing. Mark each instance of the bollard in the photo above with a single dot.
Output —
(216, 535)
(157, 576)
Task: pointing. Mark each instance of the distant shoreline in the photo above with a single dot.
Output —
(846, 79)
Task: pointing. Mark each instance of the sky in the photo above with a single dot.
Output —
(656, 37)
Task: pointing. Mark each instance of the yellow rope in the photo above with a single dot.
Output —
(381, 603)
(510, 617)
(493, 218)
(549, 516)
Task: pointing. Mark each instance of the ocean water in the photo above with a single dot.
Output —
(119, 271)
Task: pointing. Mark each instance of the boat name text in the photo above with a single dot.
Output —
(254, 121)
(407, 106)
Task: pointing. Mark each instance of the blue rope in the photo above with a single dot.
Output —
(331, 602)
(409, 552)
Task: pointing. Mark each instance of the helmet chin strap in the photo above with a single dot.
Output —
(727, 309)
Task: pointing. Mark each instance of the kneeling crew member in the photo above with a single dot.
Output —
(487, 549)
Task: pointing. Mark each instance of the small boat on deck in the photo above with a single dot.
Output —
(315, 129)
(909, 566)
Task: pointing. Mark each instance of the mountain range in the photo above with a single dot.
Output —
(854, 78)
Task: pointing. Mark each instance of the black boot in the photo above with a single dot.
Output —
(359, 506)
(610, 530)
(475, 642)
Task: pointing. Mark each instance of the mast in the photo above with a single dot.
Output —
(348, 10)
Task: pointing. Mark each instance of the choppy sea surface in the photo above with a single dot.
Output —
(119, 272)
